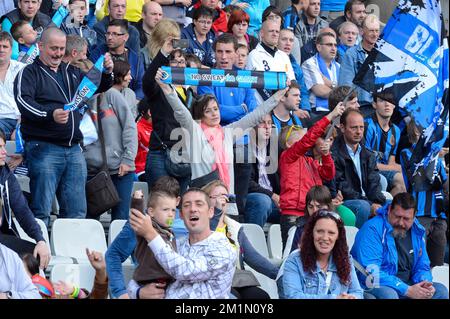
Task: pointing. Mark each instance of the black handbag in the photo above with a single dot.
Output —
(179, 170)
(101, 194)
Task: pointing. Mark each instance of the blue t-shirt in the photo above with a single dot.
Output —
(377, 140)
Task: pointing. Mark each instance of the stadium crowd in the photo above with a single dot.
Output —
(318, 157)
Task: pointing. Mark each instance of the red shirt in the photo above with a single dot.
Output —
(144, 129)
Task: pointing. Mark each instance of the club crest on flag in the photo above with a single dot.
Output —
(410, 61)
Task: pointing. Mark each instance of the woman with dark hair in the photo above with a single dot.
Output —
(122, 80)
(322, 268)
(201, 36)
(211, 145)
(120, 138)
(238, 25)
(273, 13)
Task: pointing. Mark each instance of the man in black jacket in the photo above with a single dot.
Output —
(356, 169)
(52, 135)
(152, 13)
(117, 9)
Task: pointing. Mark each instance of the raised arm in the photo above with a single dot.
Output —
(253, 118)
(180, 112)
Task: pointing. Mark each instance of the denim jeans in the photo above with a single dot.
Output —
(260, 208)
(8, 126)
(124, 186)
(361, 208)
(53, 168)
(384, 292)
(155, 168)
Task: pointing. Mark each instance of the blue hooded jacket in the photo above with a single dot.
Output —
(375, 248)
(136, 61)
(231, 100)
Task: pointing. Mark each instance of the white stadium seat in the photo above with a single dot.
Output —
(71, 237)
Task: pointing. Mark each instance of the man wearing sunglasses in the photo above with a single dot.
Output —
(117, 35)
(321, 73)
(392, 247)
(117, 10)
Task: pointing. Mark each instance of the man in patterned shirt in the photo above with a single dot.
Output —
(204, 264)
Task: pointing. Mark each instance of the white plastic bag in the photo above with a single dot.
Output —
(88, 129)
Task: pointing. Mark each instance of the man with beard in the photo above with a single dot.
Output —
(354, 11)
(117, 35)
(392, 247)
(284, 113)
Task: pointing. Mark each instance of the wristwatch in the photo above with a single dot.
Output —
(9, 294)
(333, 84)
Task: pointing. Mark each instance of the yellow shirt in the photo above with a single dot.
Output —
(133, 14)
(223, 230)
(180, 91)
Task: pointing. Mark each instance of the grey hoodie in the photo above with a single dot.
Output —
(119, 130)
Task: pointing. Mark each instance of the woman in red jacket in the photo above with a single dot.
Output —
(299, 172)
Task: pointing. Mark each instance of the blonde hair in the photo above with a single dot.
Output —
(286, 134)
(208, 188)
(163, 29)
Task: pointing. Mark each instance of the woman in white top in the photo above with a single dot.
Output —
(211, 145)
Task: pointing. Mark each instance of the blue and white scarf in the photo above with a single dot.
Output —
(321, 102)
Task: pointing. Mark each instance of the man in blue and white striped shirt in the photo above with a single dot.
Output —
(382, 137)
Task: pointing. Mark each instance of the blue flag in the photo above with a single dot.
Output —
(60, 15)
(88, 86)
(410, 61)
